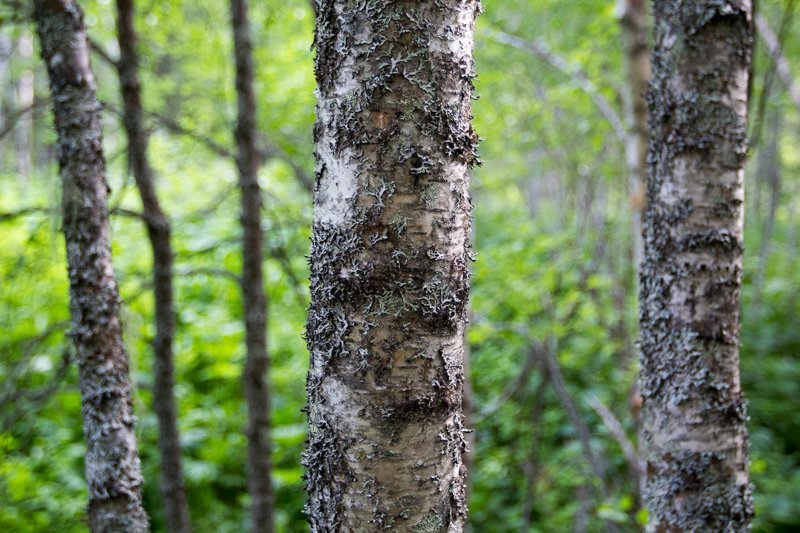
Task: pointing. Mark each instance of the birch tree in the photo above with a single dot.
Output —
(389, 265)
(694, 432)
(113, 471)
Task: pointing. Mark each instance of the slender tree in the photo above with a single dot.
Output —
(634, 24)
(633, 18)
(694, 432)
(389, 265)
(256, 385)
(158, 231)
(113, 470)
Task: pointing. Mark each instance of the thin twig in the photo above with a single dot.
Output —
(10, 216)
(542, 50)
(103, 53)
(214, 272)
(571, 407)
(10, 121)
(781, 63)
(614, 426)
(535, 354)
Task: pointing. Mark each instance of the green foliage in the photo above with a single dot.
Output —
(552, 234)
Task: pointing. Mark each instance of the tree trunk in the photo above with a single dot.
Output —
(256, 385)
(23, 132)
(633, 17)
(695, 439)
(389, 265)
(158, 231)
(113, 470)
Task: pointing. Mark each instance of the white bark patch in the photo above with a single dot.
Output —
(338, 188)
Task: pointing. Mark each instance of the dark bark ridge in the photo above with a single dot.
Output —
(113, 470)
(694, 434)
(389, 265)
(158, 232)
(254, 379)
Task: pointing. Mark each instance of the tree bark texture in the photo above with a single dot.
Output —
(255, 382)
(113, 471)
(694, 433)
(633, 17)
(158, 231)
(390, 259)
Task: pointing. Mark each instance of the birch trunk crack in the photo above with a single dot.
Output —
(390, 265)
(694, 433)
(113, 470)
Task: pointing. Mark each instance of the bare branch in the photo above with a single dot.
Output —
(781, 63)
(127, 213)
(535, 354)
(214, 272)
(271, 151)
(13, 215)
(614, 426)
(10, 121)
(103, 54)
(541, 50)
(571, 407)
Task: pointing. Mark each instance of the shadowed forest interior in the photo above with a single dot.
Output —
(552, 345)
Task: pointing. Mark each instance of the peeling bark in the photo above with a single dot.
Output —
(694, 433)
(113, 471)
(254, 379)
(389, 265)
(158, 231)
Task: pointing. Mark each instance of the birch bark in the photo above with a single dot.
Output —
(113, 470)
(694, 433)
(389, 265)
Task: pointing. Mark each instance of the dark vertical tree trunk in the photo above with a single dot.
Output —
(158, 231)
(389, 265)
(694, 433)
(256, 385)
(113, 471)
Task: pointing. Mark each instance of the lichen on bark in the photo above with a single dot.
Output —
(113, 471)
(694, 433)
(389, 265)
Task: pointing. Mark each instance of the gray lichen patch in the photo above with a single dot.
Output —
(694, 413)
(113, 471)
